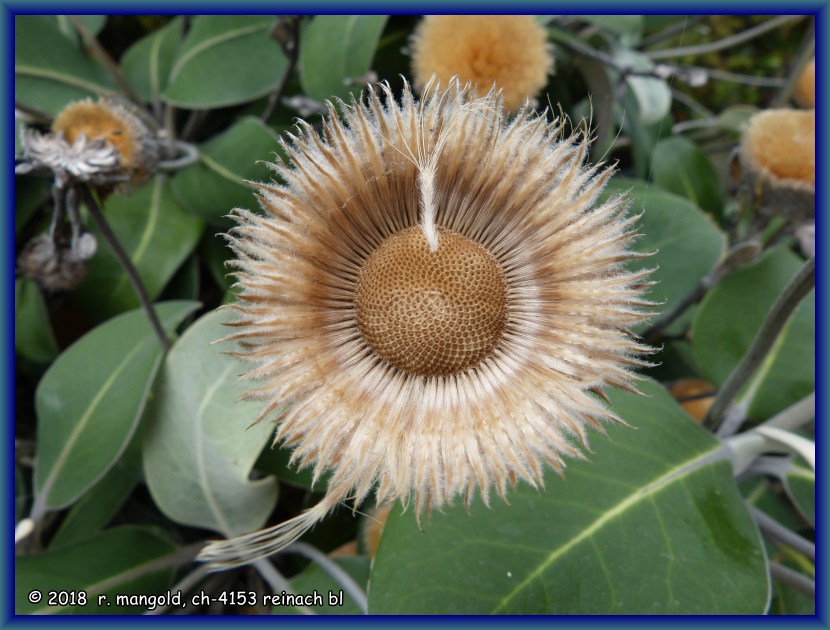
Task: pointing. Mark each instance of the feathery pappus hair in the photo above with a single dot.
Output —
(436, 294)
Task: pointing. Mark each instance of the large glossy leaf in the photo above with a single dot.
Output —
(108, 564)
(157, 234)
(687, 242)
(682, 168)
(226, 60)
(728, 318)
(336, 52)
(652, 524)
(199, 445)
(147, 64)
(49, 69)
(89, 402)
(33, 337)
(218, 183)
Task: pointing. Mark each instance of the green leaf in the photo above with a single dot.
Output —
(315, 579)
(762, 494)
(215, 253)
(184, 285)
(682, 168)
(108, 564)
(147, 64)
(49, 69)
(29, 194)
(104, 500)
(33, 337)
(93, 22)
(90, 400)
(687, 242)
(275, 460)
(628, 27)
(219, 182)
(22, 496)
(727, 319)
(800, 483)
(653, 524)
(652, 94)
(735, 118)
(336, 52)
(199, 445)
(158, 236)
(226, 60)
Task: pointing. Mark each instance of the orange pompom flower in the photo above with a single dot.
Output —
(508, 50)
(805, 89)
(778, 159)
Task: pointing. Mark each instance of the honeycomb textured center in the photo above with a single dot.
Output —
(431, 313)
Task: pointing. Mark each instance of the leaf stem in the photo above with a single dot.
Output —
(184, 585)
(330, 567)
(95, 46)
(122, 256)
(793, 578)
(671, 31)
(291, 46)
(780, 534)
(277, 581)
(797, 289)
(738, 255)
(807, 50)
(36, 115)
(726, 42)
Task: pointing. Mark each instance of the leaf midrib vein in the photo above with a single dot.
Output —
(644, 493)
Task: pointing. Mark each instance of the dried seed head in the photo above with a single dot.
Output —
(508, 50)
(431, 313)
(59, 267)
(778, 162)
(805, 89)
(115, 125)
(424, 370)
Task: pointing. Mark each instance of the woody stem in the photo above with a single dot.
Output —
(123, 258)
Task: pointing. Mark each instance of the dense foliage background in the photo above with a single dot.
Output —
(128, 459)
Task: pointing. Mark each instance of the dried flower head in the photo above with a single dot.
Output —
(778, 161)
(57, 264)
(92, 161)
(805, 89)
(438, 297)
(115, 125)
(508, 50)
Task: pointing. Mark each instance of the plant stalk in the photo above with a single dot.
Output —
(797, 289)
(122, 256)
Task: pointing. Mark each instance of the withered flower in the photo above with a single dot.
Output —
(436, 294)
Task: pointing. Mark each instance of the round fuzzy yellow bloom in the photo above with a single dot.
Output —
(778, 163)
(508, 50)
(781, 143)
(805, 89)
(438, 297)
